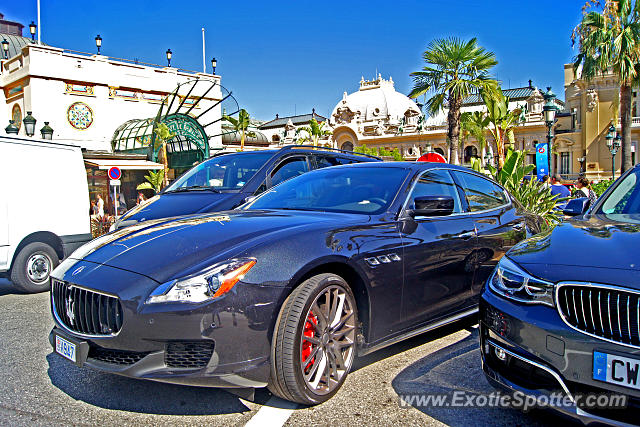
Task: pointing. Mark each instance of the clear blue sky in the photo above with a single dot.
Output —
(289, 56)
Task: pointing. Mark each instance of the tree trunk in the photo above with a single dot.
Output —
(625, 121)
(165, 164)
(500, 147)
(242, 140)
(454, 128)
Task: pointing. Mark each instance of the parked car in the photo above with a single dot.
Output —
(44, 208)
(285, 291)
(228, 180)
(561, 312)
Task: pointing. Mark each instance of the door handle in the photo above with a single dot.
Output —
(467, 235)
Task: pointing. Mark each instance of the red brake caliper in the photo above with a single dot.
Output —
(309, 331)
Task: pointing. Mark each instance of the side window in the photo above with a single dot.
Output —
(326, 161)
(435, 183)
(481, 193)
(289, 168)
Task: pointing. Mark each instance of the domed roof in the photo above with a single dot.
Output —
(16, 43)
(376, 99)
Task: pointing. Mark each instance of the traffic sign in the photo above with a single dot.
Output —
(114, 172)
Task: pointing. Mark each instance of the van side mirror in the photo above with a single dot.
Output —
(432, 206)
(576, 207)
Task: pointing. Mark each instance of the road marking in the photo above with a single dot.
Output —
(274, 413)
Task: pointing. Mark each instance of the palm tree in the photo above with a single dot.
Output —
(154, 181)
(240, 125)
(502, 120)
(455, 69)
(610, 41)
(313, 132)
(475, 123)
(162, 135)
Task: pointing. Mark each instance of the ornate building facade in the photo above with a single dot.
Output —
(379, 116)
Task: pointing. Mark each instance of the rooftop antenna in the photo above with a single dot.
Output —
(39, 22)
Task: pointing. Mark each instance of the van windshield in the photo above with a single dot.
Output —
(226, 172)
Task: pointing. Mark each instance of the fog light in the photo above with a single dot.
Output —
(500, 354)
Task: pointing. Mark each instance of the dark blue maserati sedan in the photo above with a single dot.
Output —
(561, 312)
(286, 290)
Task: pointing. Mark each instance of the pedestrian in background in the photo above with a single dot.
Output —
(100, 205)
(584, 190)
(557, 189)
(140, 199)
(545, 181)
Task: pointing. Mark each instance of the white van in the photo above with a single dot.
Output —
(44, 208)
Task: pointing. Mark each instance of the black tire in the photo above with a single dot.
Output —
(32, 266)
(335, 340)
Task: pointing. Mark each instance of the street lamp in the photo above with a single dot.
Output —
(581, 160)
(29, 124)
(5, 48)
(46, 131)
(98, 43)
(169, 55)
(32, 30)
(613, 139)
(11, 129)
(549, 111)
(214, 63)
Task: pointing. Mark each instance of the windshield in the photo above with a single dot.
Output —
(624, 199)
(365, 190)
(226, 172)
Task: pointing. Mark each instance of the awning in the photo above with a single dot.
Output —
(123, 164)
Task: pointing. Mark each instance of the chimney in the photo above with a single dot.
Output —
(313, 111)
(276, 115)
(530, 84)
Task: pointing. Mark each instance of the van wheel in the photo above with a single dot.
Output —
(32, 267)
(314, 341)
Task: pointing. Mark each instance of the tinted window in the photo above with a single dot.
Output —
(481, 193)
(229, 171)
(346, 189)
(624, 199)
(288, 169)
(326, 161)
(435, 183)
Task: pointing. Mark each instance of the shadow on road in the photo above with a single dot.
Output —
(7, 288)
(458, 367)
(111, 391)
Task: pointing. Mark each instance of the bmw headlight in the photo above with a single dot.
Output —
(510, 281)
(206, 285)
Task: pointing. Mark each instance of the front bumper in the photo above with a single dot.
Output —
(543, 356)
(222, 343)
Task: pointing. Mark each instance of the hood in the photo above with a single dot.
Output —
(591, 249)
(167, 249)
(177, 204)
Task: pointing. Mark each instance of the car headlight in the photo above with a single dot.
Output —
(510, 281)
(206, 285)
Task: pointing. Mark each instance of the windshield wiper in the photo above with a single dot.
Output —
(193, 188)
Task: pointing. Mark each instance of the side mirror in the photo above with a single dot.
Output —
(576, 207)
(432, 206)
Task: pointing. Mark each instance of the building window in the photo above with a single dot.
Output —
(565, 164)
(469, 153)
(348, 146)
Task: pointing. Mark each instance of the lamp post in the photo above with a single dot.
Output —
(5, 48)
(214, 63)
(32, 30)
(169, 55)
(29, 124)
(46, 131)
(613, 140)
(549, 111)
(581, 160)
(11, 129)
(98, 43)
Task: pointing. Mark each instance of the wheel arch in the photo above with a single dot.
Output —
(46, 237)
(356, 280)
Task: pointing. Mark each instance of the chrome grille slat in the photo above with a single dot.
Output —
(617, 301)
(86, 312)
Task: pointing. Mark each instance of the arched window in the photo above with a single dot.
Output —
(348, 146)
(439, 151)
(470, 152)
(275, 138)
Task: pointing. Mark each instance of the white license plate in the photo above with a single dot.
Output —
(65, 348)
(615, 369)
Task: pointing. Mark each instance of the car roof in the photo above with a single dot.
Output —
(417, 166)
(305, 150)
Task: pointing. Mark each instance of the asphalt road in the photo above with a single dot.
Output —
(38, 387)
